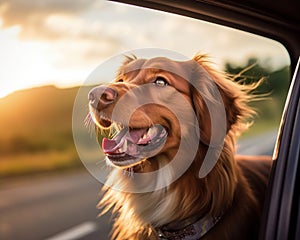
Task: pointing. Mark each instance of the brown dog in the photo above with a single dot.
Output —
(174, 125)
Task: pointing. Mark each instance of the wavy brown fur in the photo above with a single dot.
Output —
(225, 191)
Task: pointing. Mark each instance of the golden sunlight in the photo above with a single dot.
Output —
(24, 64)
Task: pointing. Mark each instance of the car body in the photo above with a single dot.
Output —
(278, 20)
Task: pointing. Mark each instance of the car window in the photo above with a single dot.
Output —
(49, 51)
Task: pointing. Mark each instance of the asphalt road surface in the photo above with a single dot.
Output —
(63, 206)
(52, 207)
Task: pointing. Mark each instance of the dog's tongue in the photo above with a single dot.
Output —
(109, 145)
(112, 145)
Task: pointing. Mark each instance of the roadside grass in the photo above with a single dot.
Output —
(30, 163)
(260, 128)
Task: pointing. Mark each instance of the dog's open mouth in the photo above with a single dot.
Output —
(131, 146)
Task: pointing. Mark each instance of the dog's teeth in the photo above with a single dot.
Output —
(144, 136)
(151, 131)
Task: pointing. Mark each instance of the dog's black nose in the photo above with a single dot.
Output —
(100, 97)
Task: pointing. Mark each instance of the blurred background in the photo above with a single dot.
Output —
(47, 50)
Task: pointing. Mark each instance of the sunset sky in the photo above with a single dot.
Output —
(61, 42)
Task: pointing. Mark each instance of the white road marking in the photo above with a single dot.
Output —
(76, 232)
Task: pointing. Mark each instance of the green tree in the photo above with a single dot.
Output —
(275, 84)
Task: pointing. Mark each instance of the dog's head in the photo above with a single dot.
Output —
(156, 104)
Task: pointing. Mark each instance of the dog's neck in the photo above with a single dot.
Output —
(202, 198)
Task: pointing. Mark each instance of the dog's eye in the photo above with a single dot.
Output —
(161, 82)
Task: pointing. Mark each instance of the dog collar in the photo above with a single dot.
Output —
(192, 231)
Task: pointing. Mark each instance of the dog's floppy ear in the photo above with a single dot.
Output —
(219, 103)
(127, 59)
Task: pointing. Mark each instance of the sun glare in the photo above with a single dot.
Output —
(25, 64)
(30, 63)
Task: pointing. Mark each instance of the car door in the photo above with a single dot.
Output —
(281, 218)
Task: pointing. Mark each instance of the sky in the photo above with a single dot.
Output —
(54, 42)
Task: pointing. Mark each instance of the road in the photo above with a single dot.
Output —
(258, 145)
(52, 207)
(63, 206)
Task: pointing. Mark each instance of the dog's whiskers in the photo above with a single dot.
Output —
(87, 120)
(89, 123)
(129, 172)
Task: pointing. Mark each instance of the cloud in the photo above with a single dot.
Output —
(32, 16)
(16, 12)
(71, 37)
